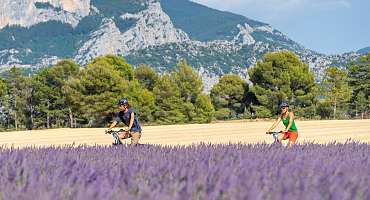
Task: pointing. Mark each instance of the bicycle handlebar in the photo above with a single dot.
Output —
(271, 133)
(113, 131)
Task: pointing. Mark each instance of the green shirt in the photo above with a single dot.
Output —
(293, 128)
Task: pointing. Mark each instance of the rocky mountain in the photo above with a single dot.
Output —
(37, 33)
(31, 12)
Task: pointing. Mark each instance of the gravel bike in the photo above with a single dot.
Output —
(115, 134)
(275, 135)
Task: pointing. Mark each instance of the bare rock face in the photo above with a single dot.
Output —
(153, 27)
(26, 13)
(244, 37)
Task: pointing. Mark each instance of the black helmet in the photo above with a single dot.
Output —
(284, 104)
(123, 101)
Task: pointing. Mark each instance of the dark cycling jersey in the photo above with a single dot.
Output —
(125, 118)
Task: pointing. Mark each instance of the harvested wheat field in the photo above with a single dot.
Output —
(215, 133)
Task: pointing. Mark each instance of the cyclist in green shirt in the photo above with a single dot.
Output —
(291, 131)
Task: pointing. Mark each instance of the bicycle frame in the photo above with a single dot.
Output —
(275, 135)
(115, 135)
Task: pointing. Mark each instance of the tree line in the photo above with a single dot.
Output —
(69, 95)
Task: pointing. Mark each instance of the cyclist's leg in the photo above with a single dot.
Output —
(293, 136)
(282, 136)
(135, 137)
(122, 136)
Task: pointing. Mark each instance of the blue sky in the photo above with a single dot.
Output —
(326, 26)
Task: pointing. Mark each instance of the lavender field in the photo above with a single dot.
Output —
(262, 171)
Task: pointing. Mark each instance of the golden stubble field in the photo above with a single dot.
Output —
(216, 133)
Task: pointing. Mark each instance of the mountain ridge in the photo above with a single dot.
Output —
(364, 50)
(158, 33)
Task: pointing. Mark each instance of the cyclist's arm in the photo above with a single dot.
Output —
(112, 125)
(116, 121)
(132, 118)
(277, 121)
(291, 116)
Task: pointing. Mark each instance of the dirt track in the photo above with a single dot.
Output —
(234, 132)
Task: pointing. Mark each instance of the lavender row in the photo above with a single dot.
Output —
(262, 171)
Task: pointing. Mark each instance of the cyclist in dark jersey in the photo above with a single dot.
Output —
(128, 117)
(291, 131)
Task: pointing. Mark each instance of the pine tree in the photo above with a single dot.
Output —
(95, 91)
(188, 80)
(362, 103)
(281, 76)
(359, 80)
(3, 114)
(52, 103)
(168, 100)
(204, 109)
(146, 76)
(118, 63)
(190, 85)
(228, 96)
(14, 105)
(336, 91)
